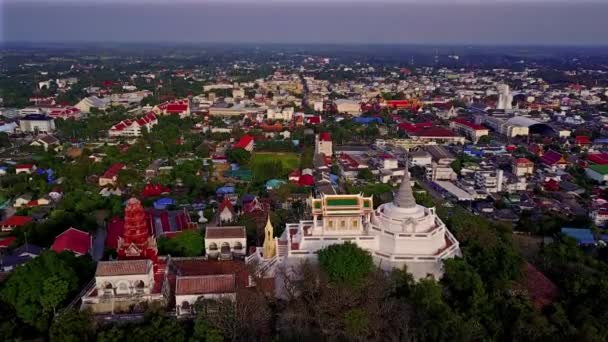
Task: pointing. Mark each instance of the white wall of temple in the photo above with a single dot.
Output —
(342, 225)
(125, 284)
(316, 243)
(397, 244)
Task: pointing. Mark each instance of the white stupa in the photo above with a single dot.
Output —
(399, 233)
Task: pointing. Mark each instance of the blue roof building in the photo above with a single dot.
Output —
(366, 120)
(274, 184)
(163, 203)
(224, 190)
(583, 236)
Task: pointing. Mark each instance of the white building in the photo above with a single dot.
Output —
(489, 180)
(127, 282)
(420, 158)
(505, 99)
(225, 242)
(275, 114)
(189, 289)
(522, 167)
(348, 106)
(399, 233)
(36, 123)
(133, 128)
(323, 144)
(87, 103)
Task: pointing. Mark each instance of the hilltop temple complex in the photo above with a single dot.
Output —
(399, 233)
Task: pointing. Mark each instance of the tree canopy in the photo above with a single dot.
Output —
(346, 263)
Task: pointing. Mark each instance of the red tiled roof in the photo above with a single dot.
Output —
(24, 166)
(314, 120)
(470, 124)
(582, 140)
(16, 221)
(123, 267)
(414, 127)
(551, 157)
(307, 180)
(225, 233)
(73, 240)
(194, 285)
(244, 141)
(177, 108)
(435, 132)
(113, 170)
(7, 241)
(521, 161)
(598, 158)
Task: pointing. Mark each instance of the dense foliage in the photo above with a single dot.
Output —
(346, 263)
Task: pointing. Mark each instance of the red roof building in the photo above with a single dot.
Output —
(7, 241)
(111, 175)
(325, 136)
(178, 107)
(582, 140)
(306, 180)
(598, 158)
(551, 185)
(554, 159)
(25, 168)
(153, 190)
(313, 120)
(14, 221)
(402, 104)
(73, 240)
(246, 143)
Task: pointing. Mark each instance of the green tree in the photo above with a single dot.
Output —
(30, 292)
(346, 263)
(54, 291)
(356, 323)
(365, 174)
(72, 325)
(239, 156)
(204, 331)
(185, 244)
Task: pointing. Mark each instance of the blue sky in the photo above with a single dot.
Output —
(496, 22)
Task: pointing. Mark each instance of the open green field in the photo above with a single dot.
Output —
(289, 161)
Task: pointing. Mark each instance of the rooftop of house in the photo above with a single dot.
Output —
(123, 267)
(225, 232)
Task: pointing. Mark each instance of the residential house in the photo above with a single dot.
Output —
(13, 222)
(111, 175)
(73, 240)
(25, 168)
(554, 160)
(522, 167)
(46, 142)
(245, 142)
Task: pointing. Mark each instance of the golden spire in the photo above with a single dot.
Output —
(269, 244)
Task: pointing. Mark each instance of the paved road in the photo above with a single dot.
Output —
(99, 242)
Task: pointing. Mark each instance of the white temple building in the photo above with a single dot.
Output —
(399, 233)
